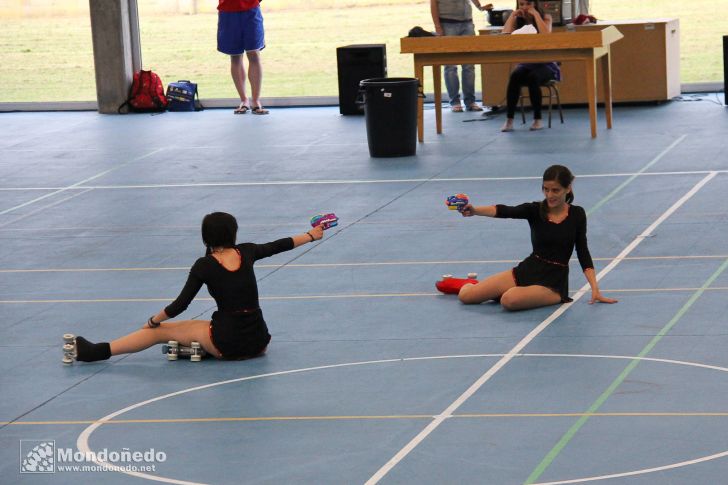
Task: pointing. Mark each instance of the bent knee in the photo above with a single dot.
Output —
(465, 295)
(509, 301)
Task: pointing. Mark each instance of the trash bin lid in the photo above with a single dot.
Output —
(388, 81)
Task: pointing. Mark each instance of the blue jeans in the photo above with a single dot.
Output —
(451, 72)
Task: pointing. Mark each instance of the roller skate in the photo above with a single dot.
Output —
(174, 351)
(69, 348)
(451, 286)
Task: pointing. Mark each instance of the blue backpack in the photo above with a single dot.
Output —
(181, 96)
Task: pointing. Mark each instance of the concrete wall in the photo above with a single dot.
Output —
(115, 35)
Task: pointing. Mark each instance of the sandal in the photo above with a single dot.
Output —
(474, 107)
(242, 109)
(259, 110)
(456, 108)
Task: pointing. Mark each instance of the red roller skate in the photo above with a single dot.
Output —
(451, 286)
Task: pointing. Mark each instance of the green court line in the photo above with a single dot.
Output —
(567, 437)
(687, 414)
(634, 176)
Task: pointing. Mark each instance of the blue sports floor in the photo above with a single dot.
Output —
(372, 376)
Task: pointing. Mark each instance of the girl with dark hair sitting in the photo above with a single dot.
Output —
(237, 329)
(557, 227)
(532, 75)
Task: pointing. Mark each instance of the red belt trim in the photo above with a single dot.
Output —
(550, 262)
(212, 341)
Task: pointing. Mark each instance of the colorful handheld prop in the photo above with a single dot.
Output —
(457, 202)
(325, 220)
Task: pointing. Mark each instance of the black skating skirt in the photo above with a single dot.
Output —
(537, 271)
(239, 335)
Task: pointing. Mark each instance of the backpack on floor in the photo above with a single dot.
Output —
(181, 96)
(146, 94)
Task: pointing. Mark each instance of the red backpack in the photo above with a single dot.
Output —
(146, 94)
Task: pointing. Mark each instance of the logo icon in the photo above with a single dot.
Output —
(37, 456)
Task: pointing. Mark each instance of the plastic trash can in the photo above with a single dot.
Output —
(390, 108)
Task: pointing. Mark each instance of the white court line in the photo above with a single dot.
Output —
(45, 207)
(352, 181)
(78, 185)
(82, 442)
(338, 296)
(354, 265)
(438, 420)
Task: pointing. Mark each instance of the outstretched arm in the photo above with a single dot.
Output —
(597, 296)
(307, 237)
(482, 210)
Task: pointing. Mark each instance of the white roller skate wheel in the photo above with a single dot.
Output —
(172, 350)
(68, 338)
(195, 345)
(195, 358)
(67, 360)
(472, 276)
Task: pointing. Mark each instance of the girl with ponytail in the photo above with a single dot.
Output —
(557, 227)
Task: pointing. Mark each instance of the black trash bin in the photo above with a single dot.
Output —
(390, 107)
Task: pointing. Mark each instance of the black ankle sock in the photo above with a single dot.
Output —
(90, 352)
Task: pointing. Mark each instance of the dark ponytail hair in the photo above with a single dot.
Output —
(219, 229)
(562, 175)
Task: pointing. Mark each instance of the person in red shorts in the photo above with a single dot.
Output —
(240, 32)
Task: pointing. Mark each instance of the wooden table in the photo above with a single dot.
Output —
(587, 47)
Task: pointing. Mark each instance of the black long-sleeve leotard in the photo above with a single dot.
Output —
(237, 328)
(232, 290)
(553, 244)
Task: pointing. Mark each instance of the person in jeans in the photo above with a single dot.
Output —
(454, 17)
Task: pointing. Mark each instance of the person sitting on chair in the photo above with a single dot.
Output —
(533, 75)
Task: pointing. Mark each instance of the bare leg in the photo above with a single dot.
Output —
(526, 297)
(184, 332)
(237, 71)
(508, 125)
(255, 75)
(490, 288)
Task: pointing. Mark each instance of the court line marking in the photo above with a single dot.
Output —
(79, 185)
(632, 175)
(362, 264)
(245, 419)
(614, 192)
(599, 402)
(435, 423)
(83, 438)
(45, 207)
(334, 296)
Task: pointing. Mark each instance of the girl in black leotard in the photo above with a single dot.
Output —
(556, 228)
(237, 329)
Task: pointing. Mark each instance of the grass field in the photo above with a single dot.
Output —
(49, 57)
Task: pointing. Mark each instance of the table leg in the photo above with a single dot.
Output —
(437, 81)
(591, 94)
(607, 87)
(420, 74)
(482, 85)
